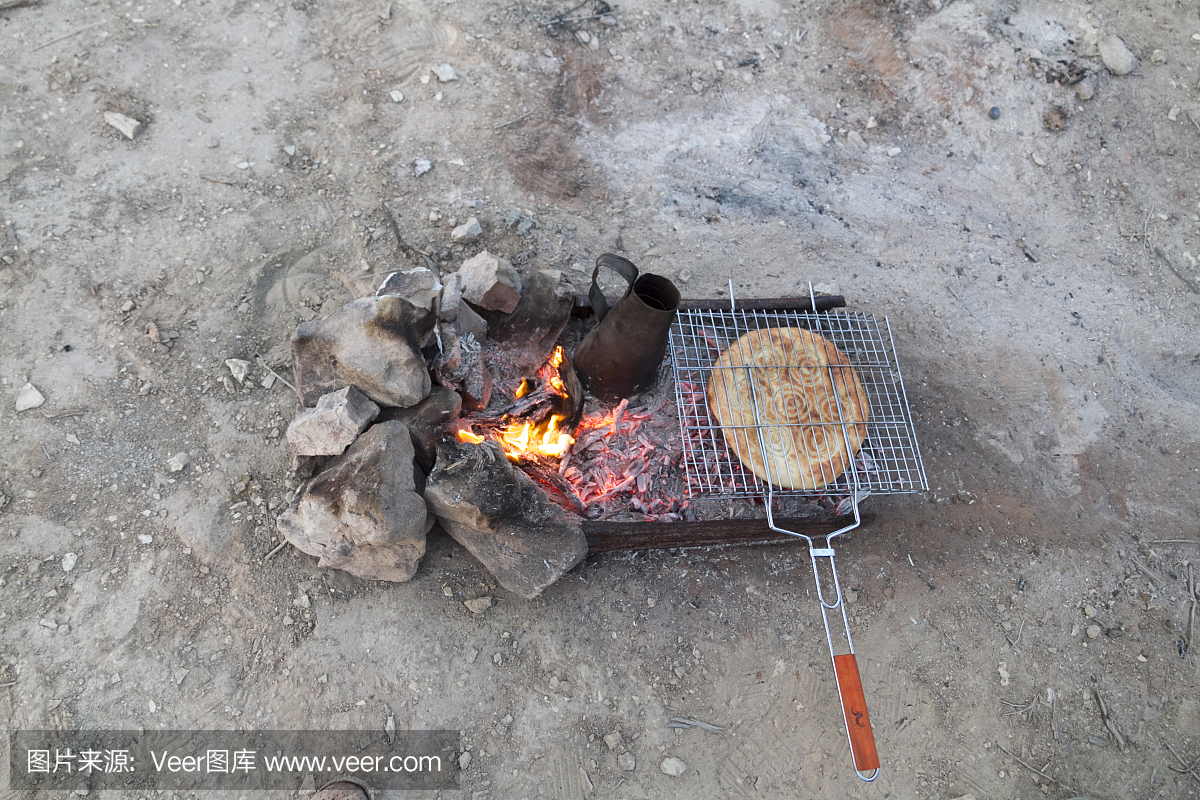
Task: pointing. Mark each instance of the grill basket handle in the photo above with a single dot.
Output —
(854, 708)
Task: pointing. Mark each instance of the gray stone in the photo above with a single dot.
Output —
(1119, 59)
(238, 367)
(445, 73)
(491, 282)
(468, 232)
(427, 420)
(473, 378)
(69, 560)
(419, 286)
(373, 343)
(613, 740)
(126, 125)
(1086, 88)
(501, 516)
(329, 428)
(673, 766)
(421, 166)
(539, 317)
(626, 762)
(468, 322)
(29, 397)
(449, 356)
(362, 513)
(451, 298)
(478, 605)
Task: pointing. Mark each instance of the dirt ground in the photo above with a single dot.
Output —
(1032, 242)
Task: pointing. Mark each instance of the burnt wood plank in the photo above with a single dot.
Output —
(609, 537)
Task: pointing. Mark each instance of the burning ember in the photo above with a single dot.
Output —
(536, 421)
(609, 462)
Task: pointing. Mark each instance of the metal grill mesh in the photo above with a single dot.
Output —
(888, 461)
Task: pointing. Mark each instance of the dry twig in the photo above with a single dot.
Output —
(67, 36)
(1108, 722)
(1034, 770)
(278, 547)
(1190, 770)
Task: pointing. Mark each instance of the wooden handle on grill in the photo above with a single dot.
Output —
(854, 706)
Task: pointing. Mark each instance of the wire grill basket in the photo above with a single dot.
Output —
(888, 461)
(797, 409)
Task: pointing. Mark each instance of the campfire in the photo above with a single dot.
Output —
(537, 425)
(596, 465)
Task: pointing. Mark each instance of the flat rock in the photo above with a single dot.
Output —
(29, 397)
(362, 513)
(373, 343)
(1119, 59)
(673, 766)
(449, 357)
(540, 315)
(445, 73)
(468, 322)
(125, 124)
(419, 286)
(468, 232)
(427, 421)
(498, 513)
(626, 762)
(478, 605)
(177, 462)
(238, 368)
(329, 428)
(473, 379)
(451, 298)
(491, 282)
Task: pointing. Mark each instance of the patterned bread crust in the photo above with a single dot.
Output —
(796, 375)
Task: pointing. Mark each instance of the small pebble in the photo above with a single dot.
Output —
(177, 462)
(1037, 159)
(994, 112)
(468, 232)
(396, 95)
(126, 125)
(626, 762)
(893, 152)
(478, 605)
(68, 561)
(673, 766)
(238, 368)
(1093, 631)
(421, 166)
(1089, 611)
(685, 275)
(613, 740)
(445, 73)
(145, 538)
(46, 622)
(464, 760)
(29, 397)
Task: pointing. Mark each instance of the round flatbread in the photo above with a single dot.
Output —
(806, 389)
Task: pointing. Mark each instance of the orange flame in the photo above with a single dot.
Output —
(469, 437)
(548, 439)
